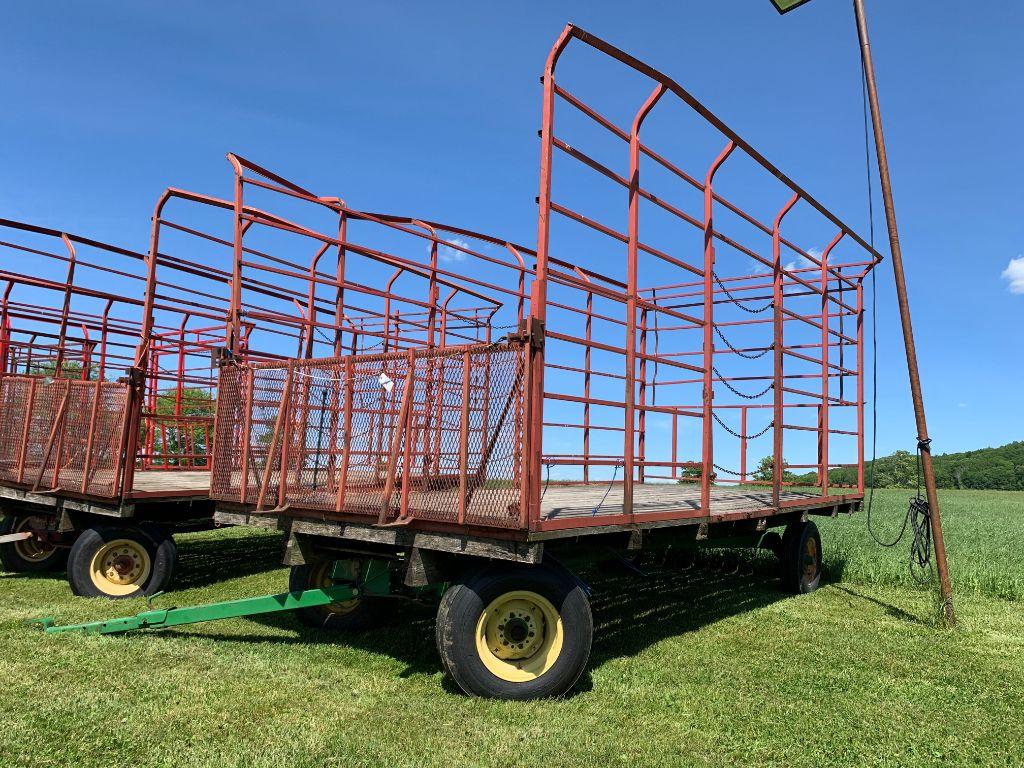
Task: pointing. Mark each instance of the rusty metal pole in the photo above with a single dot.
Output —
(945, 588)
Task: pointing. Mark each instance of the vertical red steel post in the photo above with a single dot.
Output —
(308, 331)
(268, 468)
(346, 430)
(102, 373)
(5, 331)
(707, 474)
(538, 291)
(339, 302)
(464, 438)
(632, 291)
(66, 308)
(234, 324)
(860, 387)
(778, 346)
(521, 462)
(287, 412)
(823, 418)
(675, 444)
(642, 400)
(26, 428)
(396, 440)
(87, 461)
(587, 374)
(57, 427)
(248, 376)
(60, 423)
(124, 472)
(409, 431)
(743, 443)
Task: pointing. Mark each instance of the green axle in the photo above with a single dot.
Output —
(376, 581)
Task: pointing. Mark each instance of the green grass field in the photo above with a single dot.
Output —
(707, 665)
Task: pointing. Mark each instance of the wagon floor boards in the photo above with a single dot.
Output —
(172, 482)
(576, 501)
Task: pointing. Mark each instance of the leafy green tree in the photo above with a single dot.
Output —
(896, 471)
(765, 471)
(188, 436)
(69, 369)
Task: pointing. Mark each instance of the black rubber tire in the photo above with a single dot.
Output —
(461, 608)
(162, 552)
(772, 542)
(165, 538)
(367, 612)
(13, 561)
(796, 558)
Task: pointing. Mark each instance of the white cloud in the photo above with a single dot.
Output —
(1014, 273)
(449, 255)
(961, 405)
(802, 262)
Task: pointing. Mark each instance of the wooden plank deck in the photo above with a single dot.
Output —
(566, 501)
(171, 483)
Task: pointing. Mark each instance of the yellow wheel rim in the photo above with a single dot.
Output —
(810, 559)
(32, 549)
(120, 567)
(348, 570)
(519, 636)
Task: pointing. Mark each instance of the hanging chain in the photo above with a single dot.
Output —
(760, 354)
(737, 301)
(736, 434)
(735, 391)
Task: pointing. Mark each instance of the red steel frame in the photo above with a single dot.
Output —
(782, 281)
(71, 325)
(417, 303)
(306, 297)
(562, 311)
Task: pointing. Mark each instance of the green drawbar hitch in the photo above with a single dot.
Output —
(376, 581)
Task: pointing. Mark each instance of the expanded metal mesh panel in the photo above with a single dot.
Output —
(60, 433)
(14, 397)
(433, 436)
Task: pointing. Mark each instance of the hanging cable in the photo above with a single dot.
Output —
(918, 517)
(607, 490)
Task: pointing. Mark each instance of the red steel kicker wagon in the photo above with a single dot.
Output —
(680, 360)
(104, 439)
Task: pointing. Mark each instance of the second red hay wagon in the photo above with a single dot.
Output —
(461, 410)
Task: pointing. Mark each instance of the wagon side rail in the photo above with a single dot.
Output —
(432, 435)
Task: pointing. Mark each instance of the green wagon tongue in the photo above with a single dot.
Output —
(172, 617)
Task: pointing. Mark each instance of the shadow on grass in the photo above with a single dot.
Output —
(60, 575)
(891, 610)
(204, 562)
(631, 613)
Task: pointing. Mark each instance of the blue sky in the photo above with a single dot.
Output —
(432, 108)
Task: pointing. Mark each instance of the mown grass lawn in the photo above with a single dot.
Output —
(708, 665)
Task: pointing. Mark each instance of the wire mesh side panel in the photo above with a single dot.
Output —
(431, 435)
(247, 409)
(15, 394)
(310, 438)
(63, 433)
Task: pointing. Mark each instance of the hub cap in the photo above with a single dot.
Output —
(810, 559)
(344, 572)
(120, 567)
(32, 549)
(519, 636)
